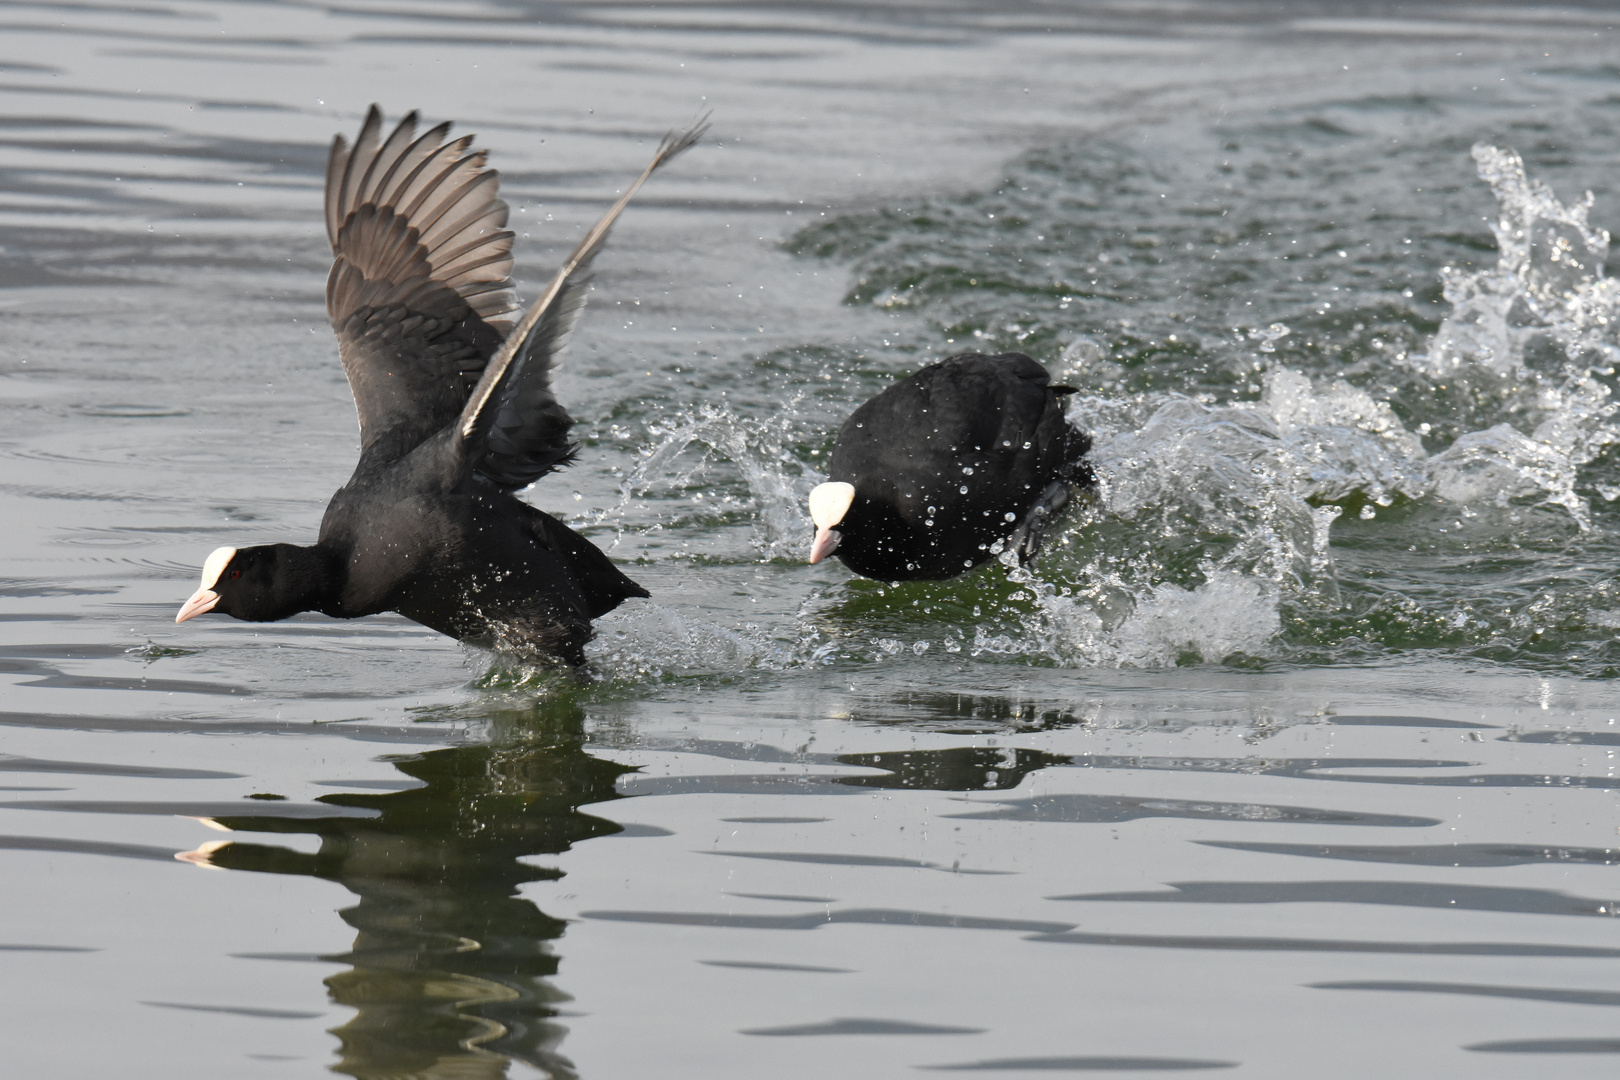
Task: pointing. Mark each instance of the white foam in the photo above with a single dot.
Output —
(1547, 295)
(778, 485)
(1227, 614)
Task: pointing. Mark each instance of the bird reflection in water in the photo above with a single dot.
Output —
(450, 964)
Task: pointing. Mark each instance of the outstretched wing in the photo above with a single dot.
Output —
(513, 431)
(420, 274)
(527, 433)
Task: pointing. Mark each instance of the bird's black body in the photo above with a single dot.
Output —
(948, 464)
(467, 559)
(456, 415)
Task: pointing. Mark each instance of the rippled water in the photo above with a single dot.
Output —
(1303, 731)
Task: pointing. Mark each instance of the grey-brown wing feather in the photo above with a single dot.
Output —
(512, 428)
(420, 275)
(527, 436)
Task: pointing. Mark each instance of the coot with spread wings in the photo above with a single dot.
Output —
(456, 413)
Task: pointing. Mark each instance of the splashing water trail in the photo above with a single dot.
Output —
(1229, 615)
(777, 484)
(1544, 318)
(1213, 519)
(1254, 490)
(1548, 279)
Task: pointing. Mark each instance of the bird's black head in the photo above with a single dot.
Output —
(256, 584)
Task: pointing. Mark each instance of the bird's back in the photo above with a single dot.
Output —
(971, 421)
(945, 462)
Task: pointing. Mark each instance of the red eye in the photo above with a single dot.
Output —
(235, 574)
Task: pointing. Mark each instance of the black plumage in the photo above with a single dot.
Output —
(946, 469)
(456, 414)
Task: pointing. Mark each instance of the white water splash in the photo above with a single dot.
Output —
(1234, 478)
(778, 484)
(1163, 625)
(1215, 518)
(1228, 614)
(1548, 278)
(1545, 318)
(1339, 441)
(1242, 478)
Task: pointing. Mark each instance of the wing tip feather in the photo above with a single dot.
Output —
(678, 140)
(438, 186)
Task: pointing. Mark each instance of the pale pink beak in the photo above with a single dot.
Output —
(201, 601)
(826, 543)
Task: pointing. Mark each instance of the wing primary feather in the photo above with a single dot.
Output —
(486, 268)
(405, 167)
(449, 261)
(336, 161)
(393, 146)
(517, 341)
(441, 227)
(420, 267)
(432, 174)
(365, 146)
(473, 229)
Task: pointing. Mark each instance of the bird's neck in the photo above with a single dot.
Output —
(310, 578)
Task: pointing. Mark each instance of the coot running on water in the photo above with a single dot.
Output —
(946, 469)
(456, 414)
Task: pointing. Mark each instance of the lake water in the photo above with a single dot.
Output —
(1294, 756)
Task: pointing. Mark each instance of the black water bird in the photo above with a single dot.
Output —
(945, 470)
(456, 414)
